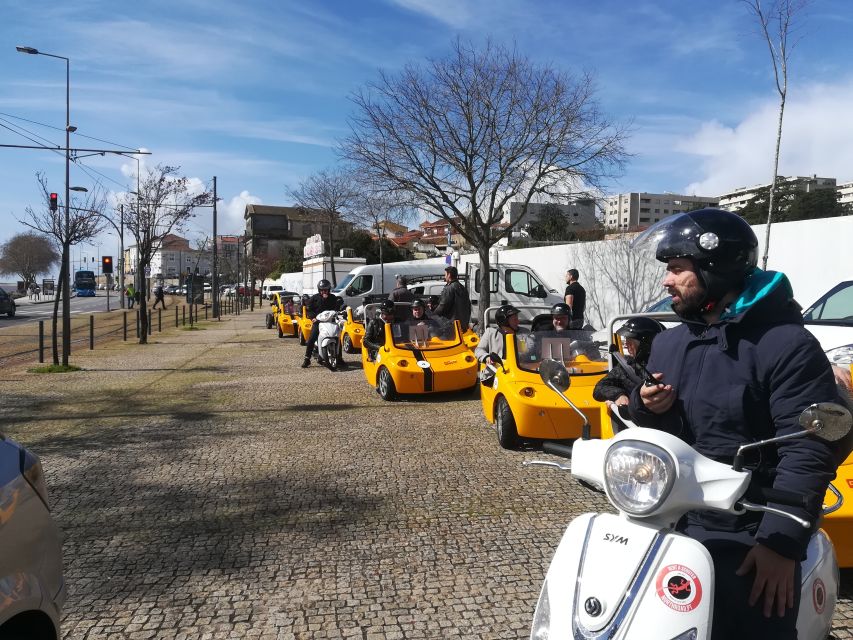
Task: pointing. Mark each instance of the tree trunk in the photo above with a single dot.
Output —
(142, 309)
(485, 295)
(57, 297)
(773, 183)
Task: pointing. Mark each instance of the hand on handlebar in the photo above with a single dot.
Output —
(658, 398)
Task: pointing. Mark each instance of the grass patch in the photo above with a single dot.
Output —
(193, 327)
(55, 368)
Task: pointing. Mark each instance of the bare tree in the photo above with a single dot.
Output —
(27, 255)
(467, 134)
(374, 208)
(777, 24)
(619, 279)
(332, 192)
(261, 266)
(85, 222)
(164, 204)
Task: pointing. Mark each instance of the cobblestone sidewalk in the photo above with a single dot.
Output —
(208, 487)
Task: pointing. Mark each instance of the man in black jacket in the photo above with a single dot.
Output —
(740, 368)
(323, 300)
(374, 335)
(637, 335)
(454, 303)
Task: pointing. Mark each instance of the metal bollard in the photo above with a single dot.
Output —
(91, 333)
(160, 320)
(205, 312)
(124, 324)
(137, 323)
(176, 316)
(41, 340)
(183, 315)
(150, 324)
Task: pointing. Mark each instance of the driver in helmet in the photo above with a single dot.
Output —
(561, 316)
(323, 300)
(739, 368)
(616, 386)
(494, 337)
(374, 334)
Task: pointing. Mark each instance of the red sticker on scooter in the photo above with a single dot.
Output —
(850, 482)
(818, 595)
(679, 588)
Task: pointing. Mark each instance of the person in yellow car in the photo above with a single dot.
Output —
(374, 336)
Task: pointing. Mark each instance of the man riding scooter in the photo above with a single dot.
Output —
(323, 300)
(740, 368)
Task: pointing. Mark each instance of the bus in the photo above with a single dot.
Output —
(84, 283)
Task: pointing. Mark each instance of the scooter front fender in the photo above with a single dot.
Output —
(616, 578)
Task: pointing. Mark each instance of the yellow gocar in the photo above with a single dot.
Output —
(286, 322)
(418, 359)
(522, 407)
(839, 524)
(352, 333)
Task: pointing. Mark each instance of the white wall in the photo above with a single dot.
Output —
(814, 254)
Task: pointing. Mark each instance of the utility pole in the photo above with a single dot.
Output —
(215, 288)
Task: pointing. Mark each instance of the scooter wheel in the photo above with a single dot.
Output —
(505, 425)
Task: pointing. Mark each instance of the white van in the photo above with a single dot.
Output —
(269, 289)
(510, 283)
(370, 280)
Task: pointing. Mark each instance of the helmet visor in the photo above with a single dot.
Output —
(677, 236)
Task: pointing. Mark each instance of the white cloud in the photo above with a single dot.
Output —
(232, 212)
(817, 138)
(451, 12)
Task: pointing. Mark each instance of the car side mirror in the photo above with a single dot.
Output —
(539, 292)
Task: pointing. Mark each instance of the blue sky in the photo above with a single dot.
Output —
(257, 93)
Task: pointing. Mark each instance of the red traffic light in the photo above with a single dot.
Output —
(54, 201)
(106, 264)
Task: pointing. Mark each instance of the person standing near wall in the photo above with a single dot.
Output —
(575, 298)
(454, 303)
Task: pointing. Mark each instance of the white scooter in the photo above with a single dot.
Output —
(329, 339)
(632, 575)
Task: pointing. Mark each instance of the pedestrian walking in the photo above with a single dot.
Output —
(130, 292)
(159, 297)
(575, 298)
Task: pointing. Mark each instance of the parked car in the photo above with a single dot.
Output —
(7, 303)
(30, 549)
(830, 319)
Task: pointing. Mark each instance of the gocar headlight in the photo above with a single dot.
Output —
(638, 476)
(842, 356)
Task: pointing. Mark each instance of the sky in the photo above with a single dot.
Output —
(258, 93)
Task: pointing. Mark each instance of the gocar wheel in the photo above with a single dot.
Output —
(385, 385)
(505, 424)
(348, 348)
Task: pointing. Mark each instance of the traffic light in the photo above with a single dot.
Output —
(54, 202)
(106, 264)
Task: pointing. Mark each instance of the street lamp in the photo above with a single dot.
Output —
(66, 289)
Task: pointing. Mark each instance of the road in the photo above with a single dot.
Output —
(33, 311)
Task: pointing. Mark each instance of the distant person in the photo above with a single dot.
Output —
(432, 303)
(419, 315)
(575, 298)
(159, 298)
(454, 303)
(401, 292)
(493, 339)
(130, 292)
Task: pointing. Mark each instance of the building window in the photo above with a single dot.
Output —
(657, 210)
(644, 219)
(644, 209)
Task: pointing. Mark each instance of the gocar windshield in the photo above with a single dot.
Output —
(573, 347)
(425, 337)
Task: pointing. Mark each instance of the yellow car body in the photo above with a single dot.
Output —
(286, 322)
(352, 333)
(303, 326)
(420, 359)
(839, 524)
(522, 407)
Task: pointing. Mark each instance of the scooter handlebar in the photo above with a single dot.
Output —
(555, 449)
(779, 496)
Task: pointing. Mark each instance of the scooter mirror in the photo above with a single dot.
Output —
(554, 374)
(826, 420)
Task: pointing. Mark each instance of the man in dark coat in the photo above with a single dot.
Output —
(323, 300)
(740, 368)
(454, 303)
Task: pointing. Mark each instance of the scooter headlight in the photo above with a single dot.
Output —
(638, 476)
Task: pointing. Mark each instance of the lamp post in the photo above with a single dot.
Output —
(66, 289)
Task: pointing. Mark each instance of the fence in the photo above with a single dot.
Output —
(31, 340)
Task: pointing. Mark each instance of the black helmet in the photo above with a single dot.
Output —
(417, 302)
(720, 243)
(561, 309)
(433, 301)
(324, 284)
(386, 306)
(644, 330)
(503, 314)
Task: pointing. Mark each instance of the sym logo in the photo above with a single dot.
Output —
(612, 537)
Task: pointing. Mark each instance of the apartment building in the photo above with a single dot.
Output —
(738, 198)
(175, 257)
(845, 195)
(639, 209)
(581, 212)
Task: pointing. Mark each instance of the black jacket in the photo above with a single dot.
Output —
(454, 303)
(617, 382)
(318, 303)
(374, 334)
(747, 378)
